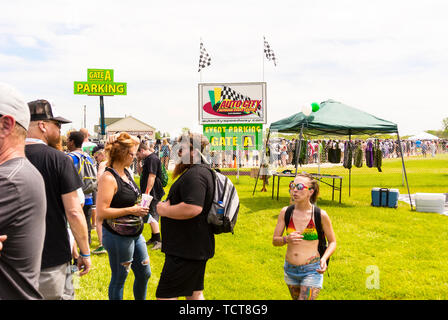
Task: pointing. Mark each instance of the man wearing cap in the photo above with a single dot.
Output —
(63, 205)
(22, 204)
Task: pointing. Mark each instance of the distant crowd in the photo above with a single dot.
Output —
(282, 152)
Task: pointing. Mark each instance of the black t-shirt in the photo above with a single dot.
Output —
(192, 238)
(152, 165)
(60, 178)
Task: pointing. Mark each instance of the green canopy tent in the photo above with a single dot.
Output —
(335, 118)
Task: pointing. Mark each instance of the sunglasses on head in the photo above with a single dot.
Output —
(299, 186)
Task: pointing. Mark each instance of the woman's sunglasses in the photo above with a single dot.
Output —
(299, 186)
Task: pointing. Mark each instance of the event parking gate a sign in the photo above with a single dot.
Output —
(234, 136)
(100, 82)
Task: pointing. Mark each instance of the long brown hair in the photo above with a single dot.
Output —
(119, 150)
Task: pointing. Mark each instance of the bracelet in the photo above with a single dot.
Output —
(84, 255)
(284, 240)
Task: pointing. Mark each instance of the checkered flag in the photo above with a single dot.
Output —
(204, 58)
(228, 93)
(269, 52)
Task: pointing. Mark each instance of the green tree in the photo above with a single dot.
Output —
(445, 124)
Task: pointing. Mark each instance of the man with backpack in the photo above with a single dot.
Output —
(86, 169)
(188, 239)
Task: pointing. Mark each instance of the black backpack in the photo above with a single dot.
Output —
(322, 246)
(225, 198)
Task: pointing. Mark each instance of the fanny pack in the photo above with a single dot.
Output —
(129, 225)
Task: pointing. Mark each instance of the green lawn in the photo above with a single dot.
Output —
(406, 248)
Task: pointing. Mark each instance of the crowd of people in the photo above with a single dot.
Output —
(55, 192)
(282, 152)
(81, 186)
(54, 195)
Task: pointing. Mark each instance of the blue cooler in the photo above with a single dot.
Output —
(384, 197)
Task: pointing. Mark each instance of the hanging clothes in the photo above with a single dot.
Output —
(334, 153)
(378, 155)
(303, 152)
(357, 156)
(369, 154)
(323, 152)
(348, 155)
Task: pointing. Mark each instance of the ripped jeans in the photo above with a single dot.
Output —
(127, 253)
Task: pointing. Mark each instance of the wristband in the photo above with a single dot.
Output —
(84, 255)
(284, 240)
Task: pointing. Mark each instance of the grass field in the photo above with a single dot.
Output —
(405, 249)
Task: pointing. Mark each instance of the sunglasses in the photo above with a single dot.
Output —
(299, 186)
(57, 124)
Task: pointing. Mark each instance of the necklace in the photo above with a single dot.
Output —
(133, 187)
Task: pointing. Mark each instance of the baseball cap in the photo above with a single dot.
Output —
(12, 104)
(41, 110)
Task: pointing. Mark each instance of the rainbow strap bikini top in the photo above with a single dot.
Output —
(310, 232)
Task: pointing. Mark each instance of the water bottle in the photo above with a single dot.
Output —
(220, 210)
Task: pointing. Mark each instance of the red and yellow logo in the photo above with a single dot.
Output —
(229, 103)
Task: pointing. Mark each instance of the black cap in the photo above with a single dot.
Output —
(41, 110)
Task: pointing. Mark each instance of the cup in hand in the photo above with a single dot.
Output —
(146, 200)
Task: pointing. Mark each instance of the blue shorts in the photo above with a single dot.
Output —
(305, 275)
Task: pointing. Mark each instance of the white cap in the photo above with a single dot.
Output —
(13, 104)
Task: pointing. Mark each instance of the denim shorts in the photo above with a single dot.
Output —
(305, 275)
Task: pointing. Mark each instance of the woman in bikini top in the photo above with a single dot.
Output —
(301, 236)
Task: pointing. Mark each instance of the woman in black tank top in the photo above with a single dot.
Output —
(123, 219)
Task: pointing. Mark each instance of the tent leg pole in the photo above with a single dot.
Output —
(261, 161)
(299, 148)
(349, 181)
(349, 170)
(404, 168)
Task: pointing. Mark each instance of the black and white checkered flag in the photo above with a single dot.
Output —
(204, 58)
(269, 52)
(228, 93)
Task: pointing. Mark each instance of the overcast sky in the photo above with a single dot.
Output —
(388, 58)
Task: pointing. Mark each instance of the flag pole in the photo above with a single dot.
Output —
(200, 72)
(263, 56)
